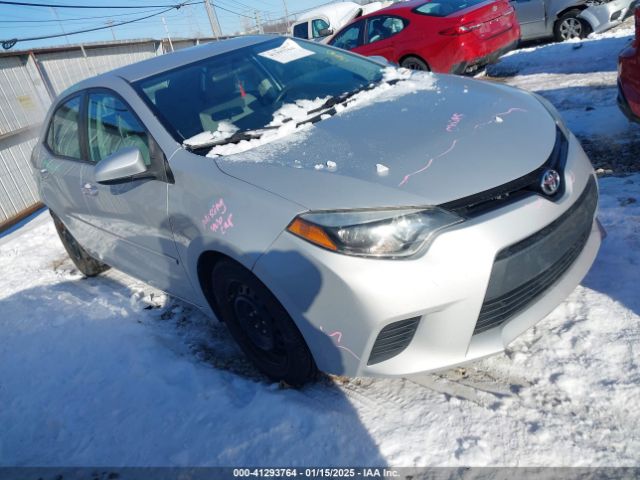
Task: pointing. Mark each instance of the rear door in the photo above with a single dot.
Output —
(131, 216)
(531, 15)
(63, 170)
(381, 36)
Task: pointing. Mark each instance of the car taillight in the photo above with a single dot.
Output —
(461, 29)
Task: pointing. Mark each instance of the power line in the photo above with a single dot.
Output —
(57, 5)
(7, 44)
(76, 19)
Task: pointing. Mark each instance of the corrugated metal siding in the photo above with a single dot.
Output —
(18, 190)
(20, 106)
(66, 68)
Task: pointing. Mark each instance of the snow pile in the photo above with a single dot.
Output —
(225, 130)
(290, 118)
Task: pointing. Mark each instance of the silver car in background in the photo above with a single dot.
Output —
(568, 19)
(337, 214)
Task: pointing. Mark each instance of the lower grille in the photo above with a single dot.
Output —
(524, 271)
(393, 339)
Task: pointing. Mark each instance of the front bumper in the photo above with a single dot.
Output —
(342, 303)
(608, 15)
(624, 106)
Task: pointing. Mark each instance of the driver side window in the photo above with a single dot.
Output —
(112, 126)
(317, 26)
(349, 38)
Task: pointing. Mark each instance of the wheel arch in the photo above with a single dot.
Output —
(414, 55)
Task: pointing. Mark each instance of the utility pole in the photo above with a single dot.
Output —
(110, 23)
(167, 32)
(256, 15)
(286, 14)
(55, 13)
(213, 19)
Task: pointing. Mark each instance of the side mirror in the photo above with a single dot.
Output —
(325, 32)
(120, 166)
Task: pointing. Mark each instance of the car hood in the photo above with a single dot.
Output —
(423, 148)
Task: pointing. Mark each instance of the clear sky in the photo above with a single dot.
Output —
(189, 21)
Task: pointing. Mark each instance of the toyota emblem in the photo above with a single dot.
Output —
(550, 182)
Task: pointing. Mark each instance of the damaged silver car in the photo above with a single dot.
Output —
(568, 19)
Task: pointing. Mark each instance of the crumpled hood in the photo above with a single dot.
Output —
(463, 137)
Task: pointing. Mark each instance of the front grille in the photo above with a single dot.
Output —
(393, 339)
(528, 184)
(524, 271)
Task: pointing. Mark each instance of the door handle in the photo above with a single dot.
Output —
(89, 189)
(44, 173)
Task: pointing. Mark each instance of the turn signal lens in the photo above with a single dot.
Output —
(311, 233)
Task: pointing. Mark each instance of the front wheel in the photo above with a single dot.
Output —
(260, 325)
(569, 26)
(414, 63)
(89, 266)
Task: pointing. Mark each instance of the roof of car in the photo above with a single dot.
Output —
(169, 61)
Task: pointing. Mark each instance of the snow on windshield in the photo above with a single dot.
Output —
(224, 131)
(289, 120)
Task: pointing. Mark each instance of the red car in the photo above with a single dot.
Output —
(629, 76)
(450, 36)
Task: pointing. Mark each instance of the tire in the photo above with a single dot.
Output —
(414, 63)
(260, 325)
(89, 266)
(569, 26)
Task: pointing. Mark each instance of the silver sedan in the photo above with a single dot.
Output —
(336, 213)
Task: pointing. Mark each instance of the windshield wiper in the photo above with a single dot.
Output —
(341, 99)
(235, 138)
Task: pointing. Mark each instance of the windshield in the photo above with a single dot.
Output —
(244, 88)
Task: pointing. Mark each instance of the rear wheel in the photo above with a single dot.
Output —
(260, 325)
(569, 26)
(414, 63)
(89, 266)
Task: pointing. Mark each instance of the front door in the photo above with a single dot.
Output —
(132, 216)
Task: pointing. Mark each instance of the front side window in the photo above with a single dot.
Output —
(381, 28)
(301, 30)
(348, 38)
(243, 89)
(63, 135)
(112, 126)
(317, 27)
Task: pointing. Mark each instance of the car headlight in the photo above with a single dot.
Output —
(391, 233)
(553, 111)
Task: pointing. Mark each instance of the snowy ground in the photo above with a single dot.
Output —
(109, 372)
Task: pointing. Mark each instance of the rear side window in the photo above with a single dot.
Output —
(301, 30)
(63, 137)
(350, 37)
(443, 8)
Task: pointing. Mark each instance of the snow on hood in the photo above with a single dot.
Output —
(287, 119)
(456, 138)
